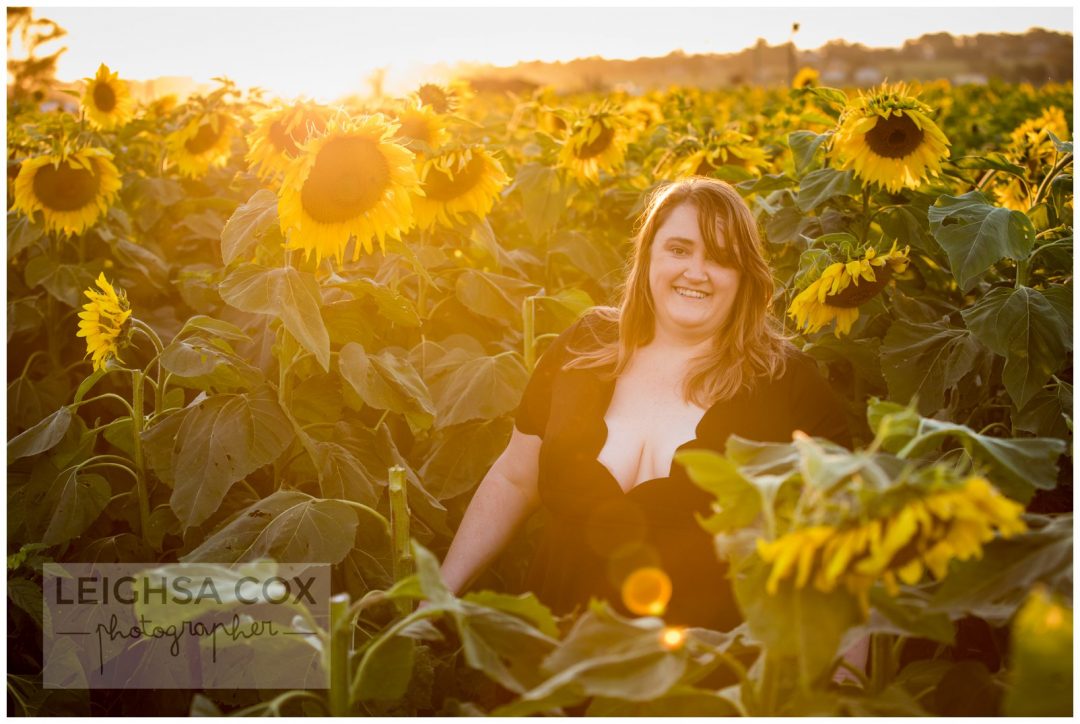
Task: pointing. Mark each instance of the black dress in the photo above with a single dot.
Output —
(594, 534)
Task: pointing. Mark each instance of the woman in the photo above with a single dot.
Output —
(689, 358)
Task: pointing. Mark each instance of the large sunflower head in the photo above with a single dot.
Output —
(595, 142)
(203, 142)
(71, 191)
(807, 77)
(843, 287)
(107, 100)
(722, 147)
(279, 133)
(102, 322)
(353, 180)
(421, 123)
(888, 138)
(455, 182)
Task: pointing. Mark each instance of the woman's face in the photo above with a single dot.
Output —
(692, 293)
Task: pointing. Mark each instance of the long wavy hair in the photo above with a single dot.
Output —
(749, 344)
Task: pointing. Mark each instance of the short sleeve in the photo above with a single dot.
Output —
(818, 410)
(531, 416)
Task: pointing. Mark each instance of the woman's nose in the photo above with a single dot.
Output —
(695, 268)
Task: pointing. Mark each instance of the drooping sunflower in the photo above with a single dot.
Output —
(72, 192)
(442, 98)
(596, 142)
(107, 100)
(807, 77)
(722, 147)
(204, 142)
(922, 534)
(843, 287)
(456, 182)
(1030, 142)
(353, 180)
(421, 123)
(102, 322)
(279, 133)
(888, 138)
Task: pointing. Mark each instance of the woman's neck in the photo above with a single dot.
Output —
(677, 346)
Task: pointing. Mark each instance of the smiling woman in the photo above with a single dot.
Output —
(690, 357)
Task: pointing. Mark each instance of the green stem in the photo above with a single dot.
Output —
(528, 325)
(865, 213)
(880, 660)
(1044, 187)
(136, 436)
(26, 365)
(103, 396)
(159, 348)
(399, 523)
(340, 643)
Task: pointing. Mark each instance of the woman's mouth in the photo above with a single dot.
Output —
(691, 293)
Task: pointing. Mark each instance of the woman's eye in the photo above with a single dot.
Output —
(678, 251)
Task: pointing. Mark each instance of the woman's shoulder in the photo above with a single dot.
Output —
(595, 328)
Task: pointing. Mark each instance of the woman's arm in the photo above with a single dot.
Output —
(506, 496)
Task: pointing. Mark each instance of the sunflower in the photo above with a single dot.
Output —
(922, 535)
(107, 101)
(279, 133)
(647, 591)
(1030, 142)
(807, 77)
(644, 114)
(888, 138)
(456, 182)
(102, 322)
(204, 142)
(722, 147)
(352, 180)
(596, 142)
(442, 98)
(421, 123)
(843, 287)
(71, 191)
(1012, 194)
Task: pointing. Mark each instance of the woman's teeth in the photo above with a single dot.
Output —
(690, 293)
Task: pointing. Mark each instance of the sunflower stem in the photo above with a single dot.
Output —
(159, 347)
(1044, 187)
(421, 282)
(528, 324)
(136, 436)
(865, 213)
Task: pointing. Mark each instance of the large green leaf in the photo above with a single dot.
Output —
(925, 360)
(804, 146)
(341, 475)
(525, 605)
(461, 455)
(41, 437)
(75, 500)
(392, 305)
(221, 440)
(1047, 414)
(494, 296)
(976, 235)
(738, 503)
(291, 295)
(819, 186)
(481, 388)
(387, 381)
(385, 669)
(287, 526)
(208, 364)
(543, 197)
(248, 222)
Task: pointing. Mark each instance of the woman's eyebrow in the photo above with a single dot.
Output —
(683, 239)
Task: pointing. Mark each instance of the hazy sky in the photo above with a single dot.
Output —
(326, 52)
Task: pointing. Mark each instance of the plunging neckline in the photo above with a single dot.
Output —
(605, 405)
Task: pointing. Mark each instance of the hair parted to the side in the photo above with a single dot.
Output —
(748, 345)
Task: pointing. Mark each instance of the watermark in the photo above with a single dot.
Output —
(258, 625)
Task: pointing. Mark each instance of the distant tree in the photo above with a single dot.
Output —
(32, 76)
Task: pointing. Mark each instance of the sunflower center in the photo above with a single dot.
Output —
(894, 137)
(203, 140)
(599, 145)
(104, 97)
(434, 96)
(65, 188)
(349, 177)
(440, 187)
(855, 296)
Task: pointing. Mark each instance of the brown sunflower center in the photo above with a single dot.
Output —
(438, 186)
(855, 296)
(203, 140)
(436, 97)
(349, 177)
(599, 145)
(894, 137)
(64, 187)
(104, 97)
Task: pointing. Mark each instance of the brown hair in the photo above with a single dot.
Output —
(748, 345)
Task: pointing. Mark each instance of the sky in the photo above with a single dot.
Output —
(327, 52)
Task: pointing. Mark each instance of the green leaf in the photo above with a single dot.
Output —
(1047, 413)
(738, 503)
(291, 295)
(482, 388)
(925, 360)
(430, 578)
(834, 98)
(525, 605)
(493, 295)
(804, 146)
(819, 186)
(341, 475)
(596, 260)
(386, 381)
(461, 455)
(543, 197)
(392, 305)
(76, 500)
(221, 440)
(765, 184)
(895, 424)
(991, 161)
(385, 669)
(976, 235)
(247, 224)
(287, 526)
(982, 319)
(64, 282)
(41, 437)
(207, 365)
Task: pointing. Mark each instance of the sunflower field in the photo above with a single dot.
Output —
(244, 328)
